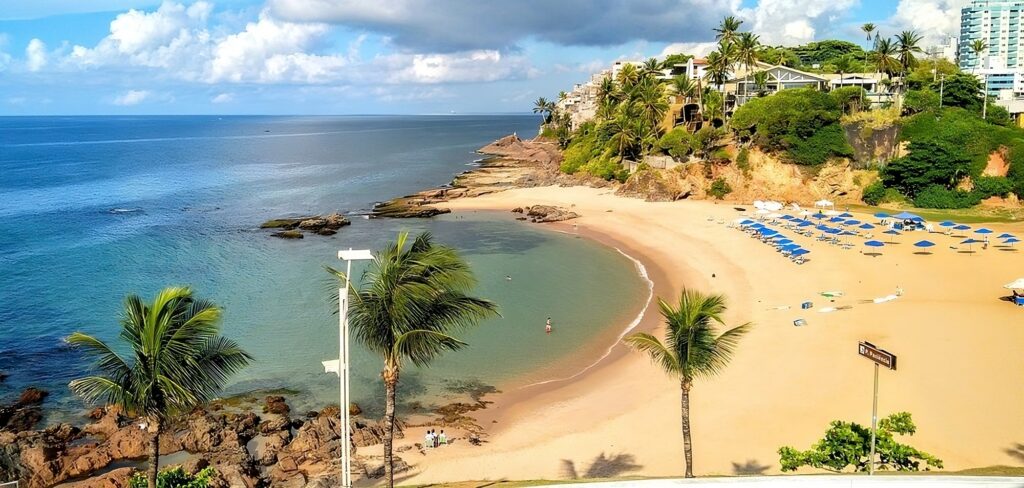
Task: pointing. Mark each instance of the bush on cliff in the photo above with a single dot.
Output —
(719, 188)
(802, 123)
(176, 478)
(586, 145)
(676, 143)
(927, 165)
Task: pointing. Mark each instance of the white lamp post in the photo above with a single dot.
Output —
(341, 365)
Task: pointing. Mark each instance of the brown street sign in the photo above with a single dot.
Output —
(876, 354)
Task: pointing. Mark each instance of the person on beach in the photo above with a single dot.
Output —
(508, 277)
(428, 440)
(547, 328)
(442, 439)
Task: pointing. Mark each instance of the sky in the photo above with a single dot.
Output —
(72, 57)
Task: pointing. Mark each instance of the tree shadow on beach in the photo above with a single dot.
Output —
(602, 466)
(750, 468)
(1016, 451)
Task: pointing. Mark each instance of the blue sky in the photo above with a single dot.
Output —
(393, 56)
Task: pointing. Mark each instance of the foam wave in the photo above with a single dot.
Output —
(642, 271)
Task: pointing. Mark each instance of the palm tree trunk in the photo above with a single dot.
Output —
(687, 444)
(154, 454)
(390, 385)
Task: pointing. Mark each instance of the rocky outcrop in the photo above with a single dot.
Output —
(293, 228)
(656, 186)
(548, 213)
(23, 414)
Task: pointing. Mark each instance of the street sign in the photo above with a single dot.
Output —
(877, 354)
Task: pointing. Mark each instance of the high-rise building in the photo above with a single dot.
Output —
(998, 23)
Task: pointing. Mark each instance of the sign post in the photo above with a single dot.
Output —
(880, 357)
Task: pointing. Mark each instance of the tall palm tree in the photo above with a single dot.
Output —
(607, 97)
(405, 308)
(629, 76)
(907, 44)
(747, 46)
(691, 349)
(562, 95)
(651, 67)
(542, 107)
(178, 361)
(978, 46)
(652, 104)
(726, 31)
(719, 66)
(761, 82)
(684, 87)
(885, 58)
(867, 29)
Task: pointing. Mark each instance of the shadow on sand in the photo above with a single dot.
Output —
(602, 466)
(1016, 451)
(750, 468)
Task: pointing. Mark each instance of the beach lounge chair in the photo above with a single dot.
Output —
(1019, 301)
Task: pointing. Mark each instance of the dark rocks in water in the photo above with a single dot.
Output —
(353, 409)
(291, 228)
(408, 207)
(3, 376)
(281, 224)
(275, 404)
(32, 396)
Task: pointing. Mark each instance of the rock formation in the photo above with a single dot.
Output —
(293, 228)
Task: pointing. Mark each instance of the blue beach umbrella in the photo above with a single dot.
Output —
(845, 215)
(881, 215)
(851, 222)
(947, 223)
(800, 252)
(768, 232)
(874, 243)
(835, 219)
(747, 222)
(1005, 235)
(805, 223)
(787, 217)
(907, 216)
(1011, 241)
(834, 231)
(783, 242)
(924, 243)
(849, 233)
(962, 227)
(982, 231)
(819, 215)
(865, 226)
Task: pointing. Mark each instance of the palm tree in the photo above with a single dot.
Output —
(884, 57)
(651, 67)
(747, 46)
(907, 43)
(719, 66)
(726, 31)
(691, 349)
(684, 87)
(978, 46)
(629, 76)
(761, 82)
(651, 103)
(178, 361)
(406, 307)
(867, 29)
(607, 97)
(562, 95)
(542, 107)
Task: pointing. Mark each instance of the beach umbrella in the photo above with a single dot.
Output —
(783, 242)
(768, 232)
(773, 206)
(852, 222)
(823, 203)
(845, 215)
(835, 219)
(1011, 241)
(908, 216)
(982, 231)
(1005, 235)
(892, 232)
(800, 252)
(924, 243)
(969, 241)
(881, 215)
(866, 226)
(1018, 284)
(819, 215)
(805, 223)
(849, 233)
(746, 221)
(948, 223)
(790, 247)
(962, 227)
(874, 243)
(834, 231)
(787, 217)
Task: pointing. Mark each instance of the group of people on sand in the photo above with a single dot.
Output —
(434, 440)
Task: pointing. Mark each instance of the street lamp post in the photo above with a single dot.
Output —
(942, 86)
(341, 366)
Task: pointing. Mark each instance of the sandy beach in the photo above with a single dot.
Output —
(961, 371)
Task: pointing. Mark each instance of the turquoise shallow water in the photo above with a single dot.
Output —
(94, 208)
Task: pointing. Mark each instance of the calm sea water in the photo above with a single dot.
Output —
(94, 208)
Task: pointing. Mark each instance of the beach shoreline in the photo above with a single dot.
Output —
(625, 409)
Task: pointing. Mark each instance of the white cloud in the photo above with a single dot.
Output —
(699, 49)
(131, 97)
(794, 21)
(5, 59)
(223, 98)
(35, 55)
(933, 19)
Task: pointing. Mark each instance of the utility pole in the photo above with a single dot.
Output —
(942, 86)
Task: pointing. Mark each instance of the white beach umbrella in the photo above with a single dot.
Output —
(823, 203)
(773, 206)
(1016, 285)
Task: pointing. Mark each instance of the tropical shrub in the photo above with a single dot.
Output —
(1016, 172)
(676, 143)
(707, 142)
(848, 97)
(719, 188)
(743, 159)
(800, 122)
(874, 193)
(998, 115)
(848, 444)
(937, 196)
(176, 478)
(926, 165)
(992, 186)
(586, 146)
(960, 90)
(918, 101)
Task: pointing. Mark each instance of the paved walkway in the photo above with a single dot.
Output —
(829, 481)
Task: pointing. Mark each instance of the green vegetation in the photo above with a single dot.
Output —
(176, 478)
(178, 361)
(719, 188)
(801, 123)
(848, 444)
(691, 349)
(677, 143)
(406, 307)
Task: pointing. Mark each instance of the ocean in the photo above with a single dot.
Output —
(94, 208)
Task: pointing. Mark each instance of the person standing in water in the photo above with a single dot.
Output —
(547, 327)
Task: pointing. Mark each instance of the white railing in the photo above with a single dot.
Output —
(10, 484)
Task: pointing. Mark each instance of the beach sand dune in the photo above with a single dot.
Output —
(961, 368)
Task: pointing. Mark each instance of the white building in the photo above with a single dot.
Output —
(998, 23)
